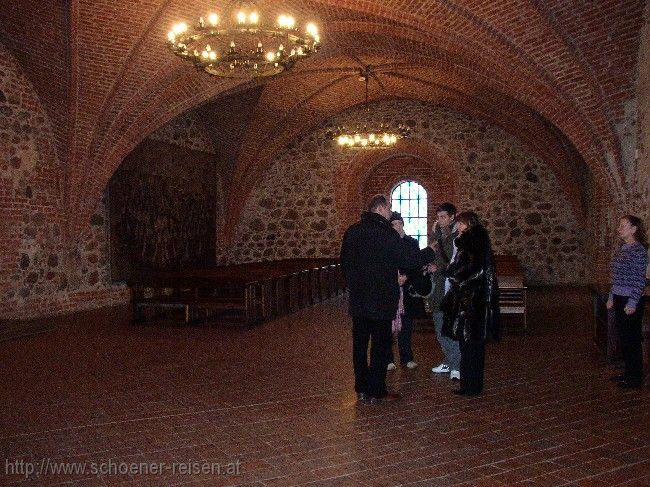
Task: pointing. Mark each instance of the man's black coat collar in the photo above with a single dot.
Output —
(375, 218)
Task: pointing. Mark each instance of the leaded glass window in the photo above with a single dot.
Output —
(410, 199)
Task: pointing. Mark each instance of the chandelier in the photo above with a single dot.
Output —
(243, 46)
(364, 136)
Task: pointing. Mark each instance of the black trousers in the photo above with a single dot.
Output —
(472, 365)
(629, 334)
(371, 379)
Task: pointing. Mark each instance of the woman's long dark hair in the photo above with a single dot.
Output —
(472, 221)
(640, 234)
(469, 218)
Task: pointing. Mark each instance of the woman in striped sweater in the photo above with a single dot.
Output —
(626, 298)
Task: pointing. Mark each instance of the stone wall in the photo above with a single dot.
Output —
(293, 212)
(41, 272)
(185, 130)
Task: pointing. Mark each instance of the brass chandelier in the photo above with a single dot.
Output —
(364, 136)
(243, 46)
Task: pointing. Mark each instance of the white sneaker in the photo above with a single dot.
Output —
(441, 369)
(411, 365)
(391, 366)
(454, 375)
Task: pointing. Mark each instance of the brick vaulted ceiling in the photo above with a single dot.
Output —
(557, 74)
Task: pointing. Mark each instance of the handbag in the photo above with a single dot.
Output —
(420, 286)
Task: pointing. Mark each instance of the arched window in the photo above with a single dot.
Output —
(410, 199)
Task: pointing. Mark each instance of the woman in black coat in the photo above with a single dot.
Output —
(471, 307)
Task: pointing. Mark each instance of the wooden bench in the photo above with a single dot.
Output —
(512, 290)
(245, 293)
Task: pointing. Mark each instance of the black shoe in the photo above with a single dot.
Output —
(617, 378)
(629, 385)
(390, 397)
(463, 392)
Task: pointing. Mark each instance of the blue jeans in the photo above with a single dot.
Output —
(450, 348)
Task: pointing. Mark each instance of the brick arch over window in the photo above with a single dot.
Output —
(379, 171)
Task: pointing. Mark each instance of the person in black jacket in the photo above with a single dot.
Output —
(471, 307)
(371, 253)
(411, 281)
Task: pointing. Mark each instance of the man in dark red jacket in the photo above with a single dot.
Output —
(371, 253)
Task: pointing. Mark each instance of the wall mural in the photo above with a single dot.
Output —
(162, 210)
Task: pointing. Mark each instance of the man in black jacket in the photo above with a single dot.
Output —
(371, 253)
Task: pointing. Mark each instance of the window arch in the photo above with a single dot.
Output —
(410, 199)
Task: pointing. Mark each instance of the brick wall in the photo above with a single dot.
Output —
(641, 198)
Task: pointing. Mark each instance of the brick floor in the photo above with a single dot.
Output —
(278, 399)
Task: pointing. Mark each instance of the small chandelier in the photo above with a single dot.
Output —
(243, 47)
(369, 137)
(363, 137)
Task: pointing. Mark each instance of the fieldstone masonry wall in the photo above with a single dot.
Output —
(185, 131)
(293, 213)
(41, 273)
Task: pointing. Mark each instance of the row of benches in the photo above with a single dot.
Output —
(245, 293)
(251, 293)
